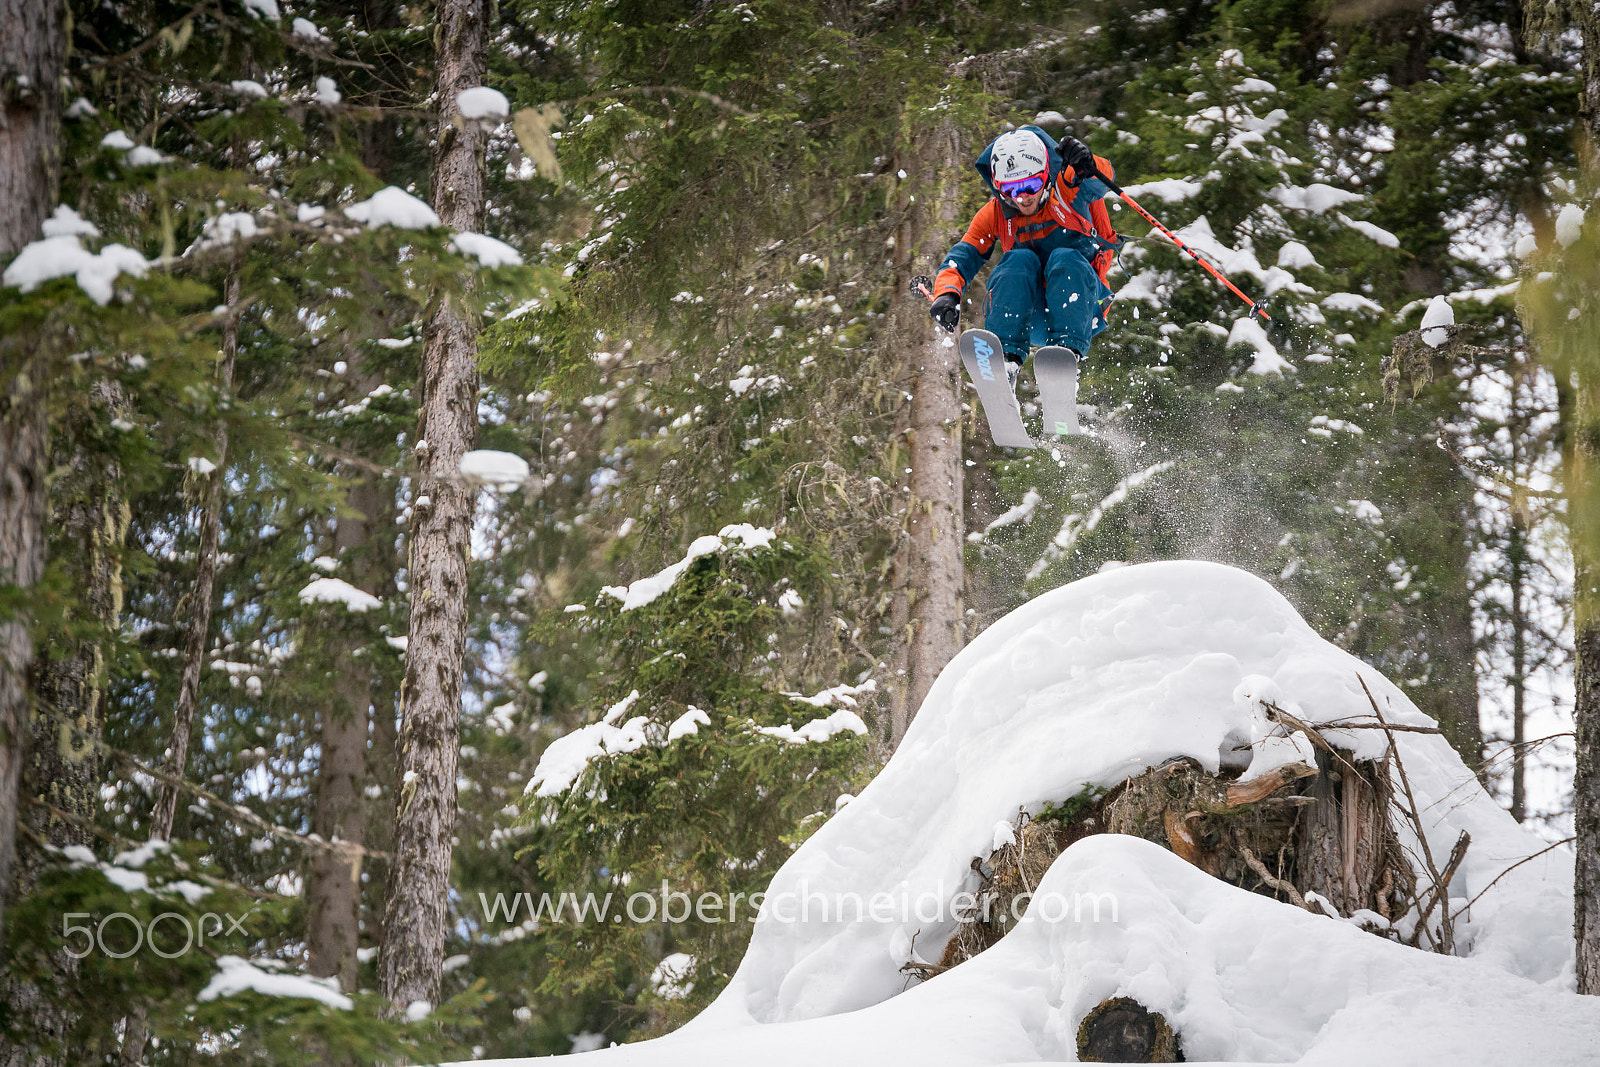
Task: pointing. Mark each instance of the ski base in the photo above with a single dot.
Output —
(985, 362)
(1055, 370)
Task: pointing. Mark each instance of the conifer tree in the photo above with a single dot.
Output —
(419, 878)
(33, 47)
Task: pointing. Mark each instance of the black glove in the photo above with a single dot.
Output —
(946, 311)
(1079, 158)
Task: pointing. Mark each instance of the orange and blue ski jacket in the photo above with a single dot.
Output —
(1073, 216)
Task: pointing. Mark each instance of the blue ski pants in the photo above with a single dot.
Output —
(1064, 290)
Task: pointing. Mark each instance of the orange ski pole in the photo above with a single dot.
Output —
(1255, 306)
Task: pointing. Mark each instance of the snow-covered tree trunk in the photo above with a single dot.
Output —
(32, 46)
(333, 885)
(931, 574)
(416, 912)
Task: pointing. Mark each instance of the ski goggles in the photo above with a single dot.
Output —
(1023, 186)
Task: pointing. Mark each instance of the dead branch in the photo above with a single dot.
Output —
(1548, 848)
(1416, 815)
(1271, 879)
(1441, 888)
(1278, 715)
(1258, 789)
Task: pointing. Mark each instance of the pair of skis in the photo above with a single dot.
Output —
(1055, 370)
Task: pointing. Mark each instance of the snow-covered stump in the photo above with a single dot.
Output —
(1230, 829)
(1315, 834)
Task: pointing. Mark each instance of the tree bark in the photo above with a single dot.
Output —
(32, 51)
(1121, 1030)
(1342, 841)
(1580, 411)
(1584, 515)
(32, 47)
(1517, 553)
(1586, 795)
(416, 910)
(333, 885)
(931, 571)
(91, 517)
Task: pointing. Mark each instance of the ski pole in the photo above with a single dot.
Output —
(1255, 306)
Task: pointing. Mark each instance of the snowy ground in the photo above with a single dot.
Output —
(1086, 685)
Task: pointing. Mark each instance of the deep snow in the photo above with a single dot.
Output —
(1086, 685)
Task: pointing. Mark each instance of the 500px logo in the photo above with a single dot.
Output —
(169, 924)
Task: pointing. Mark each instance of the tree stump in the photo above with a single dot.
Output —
(1294, 831)
(1121, 1030)
(1345, 849)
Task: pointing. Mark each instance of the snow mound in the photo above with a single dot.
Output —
(1084, 686)
(1240, 977)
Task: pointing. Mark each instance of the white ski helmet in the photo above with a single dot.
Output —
(1016, 155)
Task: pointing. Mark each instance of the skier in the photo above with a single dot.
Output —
(1056, 244)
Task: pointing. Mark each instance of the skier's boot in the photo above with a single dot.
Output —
(1013, 373)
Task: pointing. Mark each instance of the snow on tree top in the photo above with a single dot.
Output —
(338, 591)
(328, 94)
(738, 536)
(65, 222)
(1249, 331)
(237, 975)
(502, 470)
(1314, 198)
(393, 206)
(483, 102)
(1438, 315)
(488, 251)
(63, 255)
(1569, 224)
(303, 27)
(1170, 190)
(1367, 229)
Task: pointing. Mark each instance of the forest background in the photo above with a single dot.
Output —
(264, 612)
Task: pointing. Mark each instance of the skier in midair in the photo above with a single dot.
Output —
(1056, 244)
